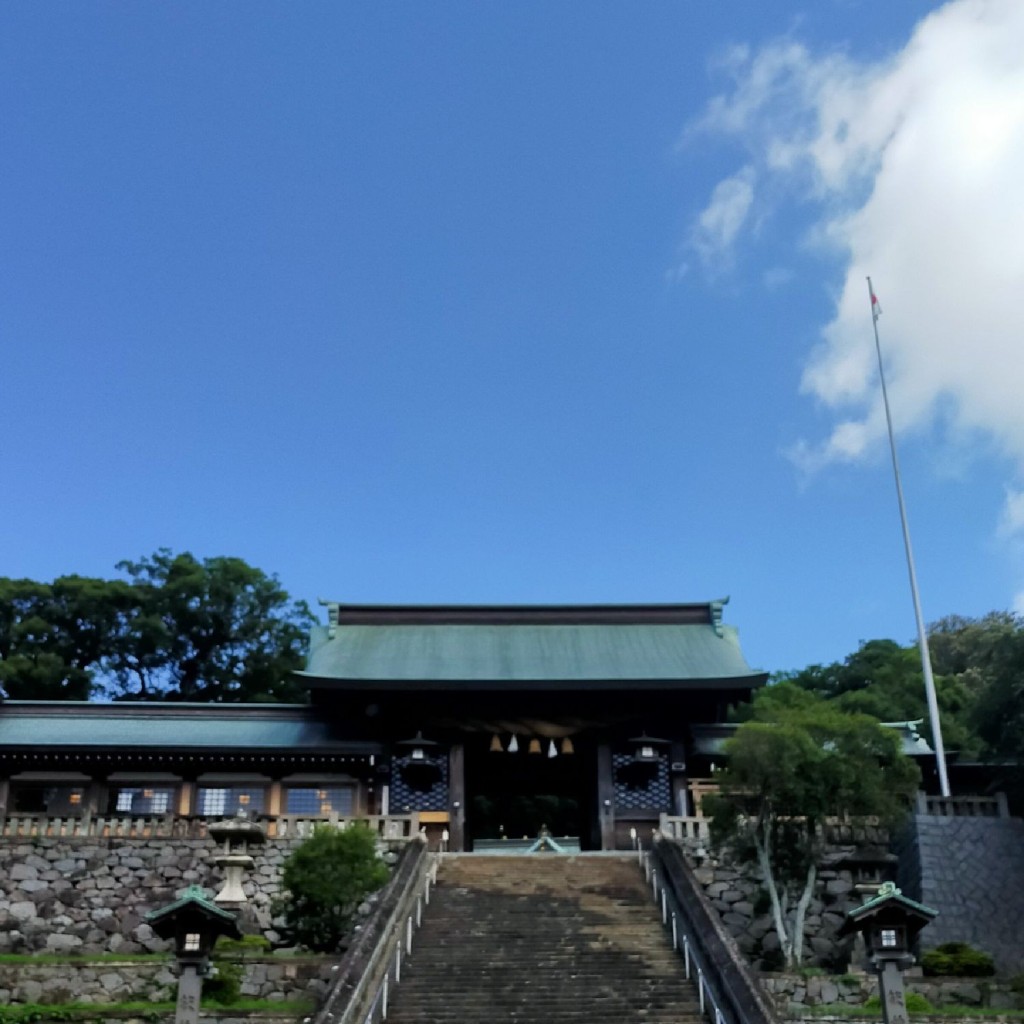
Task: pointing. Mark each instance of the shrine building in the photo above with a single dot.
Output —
(483, 725)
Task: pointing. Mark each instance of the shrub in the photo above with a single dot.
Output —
(251, 945)
(916, 1003)
(324, 880)
(958, 960)
(223, 983)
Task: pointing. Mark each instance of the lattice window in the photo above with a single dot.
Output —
(641, 786)
(144, 800)
(323, 800)
(226, 802)
(419, 785)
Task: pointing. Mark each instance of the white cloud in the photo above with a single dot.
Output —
(1012, 521)
(916, 164)
(722, 219)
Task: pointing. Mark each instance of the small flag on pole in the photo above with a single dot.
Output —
(876, 306)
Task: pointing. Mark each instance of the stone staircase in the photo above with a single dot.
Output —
(542, 939)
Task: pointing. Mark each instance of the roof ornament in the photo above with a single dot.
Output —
(333, 615)
(716, 615)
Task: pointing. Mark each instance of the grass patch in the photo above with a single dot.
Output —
(28, 1013)
(85, 958)
(862, 1011)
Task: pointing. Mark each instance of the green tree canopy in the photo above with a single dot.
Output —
(173, 627)
(798, 761)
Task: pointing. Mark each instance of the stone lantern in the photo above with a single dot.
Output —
(235, 837)
(195, 924)
(889, 923)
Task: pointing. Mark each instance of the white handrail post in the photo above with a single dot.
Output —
(408, 935)
(686, 954)
(700, 987)
(419, 911)
(384, 1004)
(664, 907)
(675, 937)
(398, 965)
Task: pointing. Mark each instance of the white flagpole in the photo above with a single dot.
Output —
(922, 636)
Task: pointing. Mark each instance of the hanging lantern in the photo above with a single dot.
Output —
(567, 747)
(496, 747)
(647, 747)
(417, 746)
(513, 744)
(552, 749)
(534, 747)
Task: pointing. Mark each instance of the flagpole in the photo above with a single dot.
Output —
(922, 636)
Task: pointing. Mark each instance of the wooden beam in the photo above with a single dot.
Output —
(457, 798)
(606, 796)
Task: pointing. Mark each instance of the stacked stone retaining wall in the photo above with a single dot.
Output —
(738, 895)
(793, 993)
(270, 978)
(92, 895)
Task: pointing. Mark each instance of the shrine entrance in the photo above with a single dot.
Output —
(540, 783)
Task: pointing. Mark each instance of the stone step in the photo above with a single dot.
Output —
(560, 940)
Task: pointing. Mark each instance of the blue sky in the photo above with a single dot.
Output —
(532, 302)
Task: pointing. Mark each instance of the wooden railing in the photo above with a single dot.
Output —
(16, 825)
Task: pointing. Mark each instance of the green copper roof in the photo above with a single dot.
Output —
(889, 894)
(200, 727)
(662, 645)
(194, 895)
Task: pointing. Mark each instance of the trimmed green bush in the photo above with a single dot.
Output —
(916, 1003)
(325, 880)
(247, 945)
(958, 960)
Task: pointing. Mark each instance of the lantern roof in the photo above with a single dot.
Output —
(890, 906)
(193, 905)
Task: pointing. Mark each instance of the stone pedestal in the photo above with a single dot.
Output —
(190, 990)
(892, 994)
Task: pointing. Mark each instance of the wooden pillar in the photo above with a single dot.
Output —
(187, 798)
(606, 796)
(274, 802)
(457, 798)
(95, 799)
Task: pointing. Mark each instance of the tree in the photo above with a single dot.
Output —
(883, 679)
(54, 635)
(177, 628)
(325, 880)
(797, 762)
(216, 630)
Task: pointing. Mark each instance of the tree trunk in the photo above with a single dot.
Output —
(801, 913)
(763, 847)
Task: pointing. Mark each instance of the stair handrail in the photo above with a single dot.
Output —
(373, 963)
(726, 985)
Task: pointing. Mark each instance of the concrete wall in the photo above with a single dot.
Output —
(972, 871)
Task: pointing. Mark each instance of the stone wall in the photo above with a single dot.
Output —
(792, 993)
(742, 902)
(92, 895)
(274, 979)
(972, 871)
